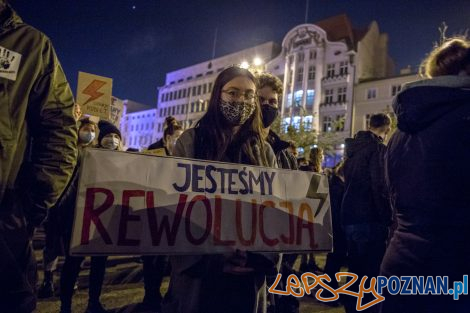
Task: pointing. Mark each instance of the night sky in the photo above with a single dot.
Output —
(137, 42)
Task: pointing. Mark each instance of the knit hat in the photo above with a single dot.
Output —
(107, 128)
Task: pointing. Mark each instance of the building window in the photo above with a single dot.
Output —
(339, 123)
(182, 108)
(173, 110)
(159, 126)
(147, 126)
(192, 107)
(210, 87)
(300, 56)
(343, 68)
(189, 78)
(177, 109)
(300, 74)
(328, 95)
(298, 98)
(395, 90)
(162, 97)
(289, 100)
(171, 96)
(132, 128)
(175, 94)
(204, 89)
(311, 72)
(327, 122)
(194, 90)
(184, 93)
(308, 123)
(180, 93)
(209, 72)
(180, 80)
(371, 93)
(199, 75)
(199, 90)
(310, 97)
(313, 54)
(342, 94)
(330, 70)
(153, 125)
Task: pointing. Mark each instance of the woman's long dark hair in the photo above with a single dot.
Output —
(214, 133)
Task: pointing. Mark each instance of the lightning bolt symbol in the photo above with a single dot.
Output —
(92, 90)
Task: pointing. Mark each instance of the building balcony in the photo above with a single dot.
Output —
(333, 106)
(335, 78)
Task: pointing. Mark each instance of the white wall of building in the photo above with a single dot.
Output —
(138, 129)
(376, 96)
(187, 91)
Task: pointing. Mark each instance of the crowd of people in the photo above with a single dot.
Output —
(400, 209)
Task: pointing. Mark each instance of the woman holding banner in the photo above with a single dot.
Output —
(228, 132)
(109, 138)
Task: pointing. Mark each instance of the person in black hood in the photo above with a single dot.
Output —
(427, 173)
(365, 210)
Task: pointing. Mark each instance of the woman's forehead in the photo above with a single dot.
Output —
(241, 83)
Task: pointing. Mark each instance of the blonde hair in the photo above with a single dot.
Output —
(315, 158)
(450, 58)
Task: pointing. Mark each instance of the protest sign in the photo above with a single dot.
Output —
(115, 112)
(132, 203)
(94, 94)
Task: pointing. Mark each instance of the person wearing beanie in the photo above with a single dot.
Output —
(109, 137)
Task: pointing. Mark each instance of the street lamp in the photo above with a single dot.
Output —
(245, 65)
(257, 61)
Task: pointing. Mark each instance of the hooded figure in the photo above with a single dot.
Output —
(427, 168)
(427, 171)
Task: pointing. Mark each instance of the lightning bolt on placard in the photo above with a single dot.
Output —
(94, 94)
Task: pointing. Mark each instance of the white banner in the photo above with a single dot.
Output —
(141, 204)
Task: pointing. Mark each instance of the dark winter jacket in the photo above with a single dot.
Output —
(38, 143)
(427, 169)
(285, 159)
(365, 198)
(38, 132)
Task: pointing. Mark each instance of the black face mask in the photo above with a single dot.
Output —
(269, 114)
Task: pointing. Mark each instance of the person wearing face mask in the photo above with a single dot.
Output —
(109, 137)
(56, 234)
(269, 92)
(154, 267)
(172, 132)
(365, 211)
(230, 131)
